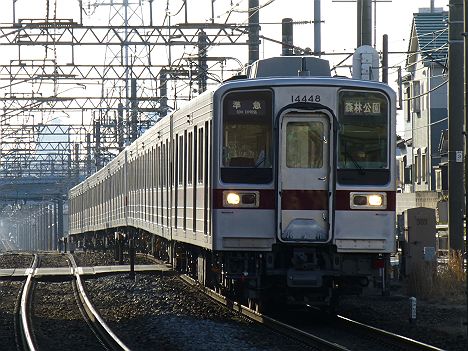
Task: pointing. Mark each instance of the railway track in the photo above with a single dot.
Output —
(283, 328)
(337, 333)
(57, 315)
(394, 340)
(326, 332)
(353, 335)
(6, 245)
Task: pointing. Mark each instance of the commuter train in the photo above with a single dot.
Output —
(276, 186)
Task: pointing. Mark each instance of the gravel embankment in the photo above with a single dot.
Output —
(439, 324)
(90, 259)
(54, 260)
(9, 291)
(160, 312)
(57, 321)
(15, 260)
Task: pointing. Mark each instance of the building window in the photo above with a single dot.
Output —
(408, 104)
(438, 179)
(416, 97)
(401, 172)
(417, 167)
(424, 168)
(423, 98)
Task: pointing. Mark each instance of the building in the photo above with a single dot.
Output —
(421, 148)
(425, 102)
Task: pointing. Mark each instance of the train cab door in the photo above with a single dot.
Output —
(304, 173)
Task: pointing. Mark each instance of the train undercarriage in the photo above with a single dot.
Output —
(287, 276)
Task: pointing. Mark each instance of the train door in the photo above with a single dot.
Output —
(304, 188)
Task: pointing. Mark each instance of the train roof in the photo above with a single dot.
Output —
(289, 66)
(275, 71)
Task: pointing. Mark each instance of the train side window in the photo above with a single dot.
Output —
(158, 165)
(190, 158)
(185, 159)
(163, 164)
(181, 160)
(200, 155)
(171, 164)
(167, 181)
(178, 160)
(194, 155)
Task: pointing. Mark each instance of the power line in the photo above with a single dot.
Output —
(425, 126)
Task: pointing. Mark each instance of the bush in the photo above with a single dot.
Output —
(445, 282)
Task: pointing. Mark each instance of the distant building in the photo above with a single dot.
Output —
(425, 104)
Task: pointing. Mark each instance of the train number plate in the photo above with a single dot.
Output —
(305, 98)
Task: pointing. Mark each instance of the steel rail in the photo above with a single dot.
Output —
(26, 330)
(282, 328)
(408, 343)
(99, 325)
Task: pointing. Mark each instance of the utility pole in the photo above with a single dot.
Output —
(202, 61)
(385, 58)
(366, 29)
(287, 37)
(466, 141)
(455, 129)
(254, 30)
(364, 22)
(317, 28)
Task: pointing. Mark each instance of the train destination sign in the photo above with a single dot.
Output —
(364, 105)
(246, 107)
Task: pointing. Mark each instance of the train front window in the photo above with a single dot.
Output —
(304, 145)
(247, 138)
(363, 137)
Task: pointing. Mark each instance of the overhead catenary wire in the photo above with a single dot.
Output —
(234, 8)
(427, 92)
(424, 126)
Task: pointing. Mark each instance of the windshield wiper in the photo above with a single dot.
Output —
(355, 163)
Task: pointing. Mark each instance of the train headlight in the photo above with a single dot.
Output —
(232, 199)
(376, 201)
(241, 199)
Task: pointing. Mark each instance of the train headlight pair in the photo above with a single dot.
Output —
(368, 200)
(241, 199)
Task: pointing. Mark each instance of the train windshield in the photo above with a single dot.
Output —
(247, 137)
(363, 136)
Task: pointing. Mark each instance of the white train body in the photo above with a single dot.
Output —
(272, 184)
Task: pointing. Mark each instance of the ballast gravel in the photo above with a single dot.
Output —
(160, 312)
(15, 260)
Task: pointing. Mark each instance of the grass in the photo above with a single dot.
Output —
(444, 283)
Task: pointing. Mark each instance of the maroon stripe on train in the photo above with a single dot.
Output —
(343, 197)
(267, 198)
(304, 199)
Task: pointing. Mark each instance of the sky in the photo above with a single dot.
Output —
(338, 28)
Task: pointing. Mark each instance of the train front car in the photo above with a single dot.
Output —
(303, 188)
